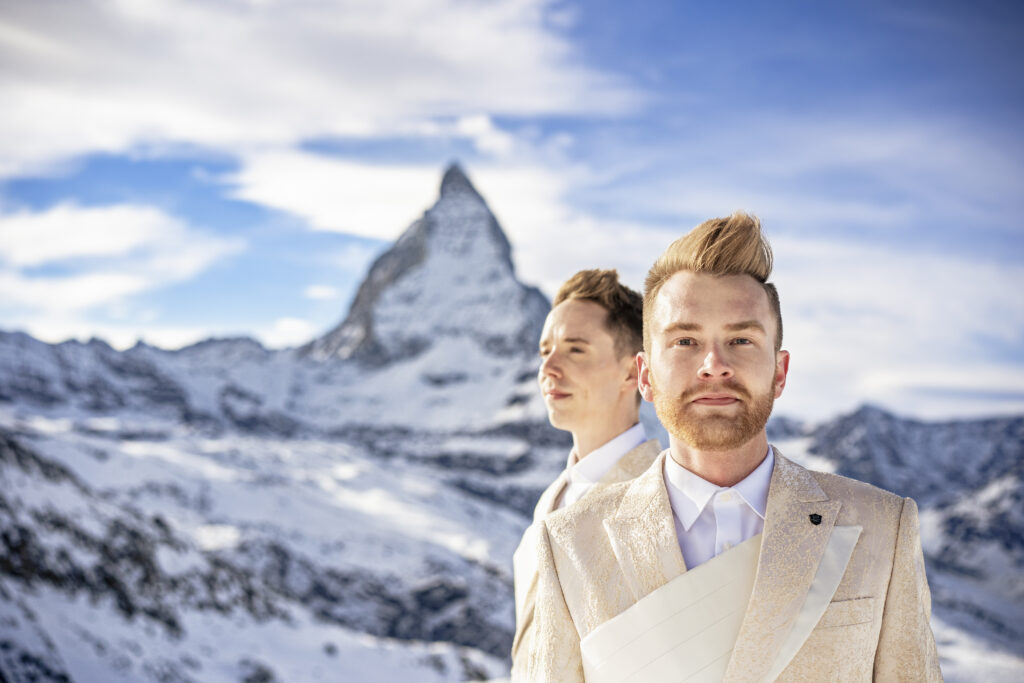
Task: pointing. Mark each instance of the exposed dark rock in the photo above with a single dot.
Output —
(17, 665)
(526, 376)
(487, 463)
(44, 545)
(443, 379)
(354, 337)
(253, 671)
(446, 607)
(875, 446)
(781, 427)
(99, 395)
(520, 499)
(12, 453)
(25, 384)
(438, 594)
(537, 433)
(244, 410)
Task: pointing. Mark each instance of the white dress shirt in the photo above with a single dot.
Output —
(581, 475)
(711, 519)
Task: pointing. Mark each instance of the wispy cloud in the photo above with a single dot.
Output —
(865, 323)
(321, 292)
(68, 232)
(286, 332)
(336, 194)
(899, 175)
(59, 263)
(278, 73)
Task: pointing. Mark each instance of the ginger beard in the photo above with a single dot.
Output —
(706, 430)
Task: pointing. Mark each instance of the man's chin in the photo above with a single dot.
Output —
(715, 428)
(559, 420)
(714, 439)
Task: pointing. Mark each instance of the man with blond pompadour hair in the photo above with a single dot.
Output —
(588, 377)
(725, 561)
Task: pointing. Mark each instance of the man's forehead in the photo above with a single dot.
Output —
(692, 297)
(574, 318)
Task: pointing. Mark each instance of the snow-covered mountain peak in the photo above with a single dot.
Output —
(449, 276)
(455, 182)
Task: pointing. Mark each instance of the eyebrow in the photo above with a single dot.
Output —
(745, 325)
(683, 327)
(566, 340)
(731, 327)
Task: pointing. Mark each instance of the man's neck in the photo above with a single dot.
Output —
(585, 442)
(721, 468)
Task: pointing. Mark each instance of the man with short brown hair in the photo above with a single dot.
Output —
(588, 376)
(725, 561)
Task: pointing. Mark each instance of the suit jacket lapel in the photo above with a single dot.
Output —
(642, 534)
(628, 467)
(547, 500)
(633, 463)
(791, 549)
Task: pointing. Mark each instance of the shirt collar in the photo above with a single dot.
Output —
(597, 463)
(754, 487)
(689, 494)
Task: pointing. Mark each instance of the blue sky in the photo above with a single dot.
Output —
(175, 170)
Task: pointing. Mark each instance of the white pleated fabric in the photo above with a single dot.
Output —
(684, 631)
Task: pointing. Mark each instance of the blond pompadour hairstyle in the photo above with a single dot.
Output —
(720, 246)
(624, 305)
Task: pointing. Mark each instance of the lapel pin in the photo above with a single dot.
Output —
(815, 518)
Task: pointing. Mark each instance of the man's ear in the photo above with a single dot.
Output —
(632, 373)
(781, 371)
(643, 372)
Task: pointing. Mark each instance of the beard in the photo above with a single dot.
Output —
(714, 432)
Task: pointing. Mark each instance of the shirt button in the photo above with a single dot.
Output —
(727, 496)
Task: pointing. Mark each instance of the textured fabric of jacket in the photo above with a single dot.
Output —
(524, 561)
(597, 558)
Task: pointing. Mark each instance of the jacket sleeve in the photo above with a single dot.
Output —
(547, 645)
(906, 646)
(524, 579)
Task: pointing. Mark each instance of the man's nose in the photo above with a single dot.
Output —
(715, 365)
(550, 365)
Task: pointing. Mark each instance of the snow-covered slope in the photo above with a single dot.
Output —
(348, 510)
(182, 540)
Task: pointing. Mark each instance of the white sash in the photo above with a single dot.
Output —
(683, 631)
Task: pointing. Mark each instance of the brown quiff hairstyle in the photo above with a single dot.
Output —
(720, 246)
(625, 307)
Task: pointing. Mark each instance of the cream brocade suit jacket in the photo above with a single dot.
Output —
(598, 558)
(524, 561)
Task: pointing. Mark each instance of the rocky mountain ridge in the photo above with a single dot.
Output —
(449, 275)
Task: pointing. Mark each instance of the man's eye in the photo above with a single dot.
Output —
(684, 342)
(576, 349)
(543, 352)
(741, 341)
